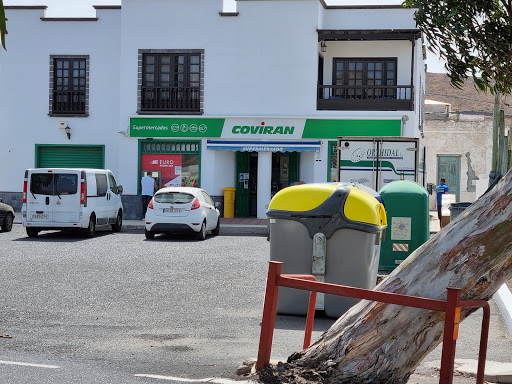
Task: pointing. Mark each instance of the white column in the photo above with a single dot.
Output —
(264, 182)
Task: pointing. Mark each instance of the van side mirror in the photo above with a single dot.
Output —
(217, 204)
(119, 189)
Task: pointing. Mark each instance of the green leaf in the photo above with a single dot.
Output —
(3, 26)
(473, 36)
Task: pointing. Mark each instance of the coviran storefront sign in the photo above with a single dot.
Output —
(262, 128)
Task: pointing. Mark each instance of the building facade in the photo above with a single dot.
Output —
(459, 149)
(253, 99)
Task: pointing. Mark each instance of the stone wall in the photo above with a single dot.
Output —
(467, 136)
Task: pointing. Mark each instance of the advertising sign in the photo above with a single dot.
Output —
(261, 128)
(375, 162)
(168, 166)
(175, 127)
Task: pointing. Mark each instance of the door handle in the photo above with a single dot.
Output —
(47, 200)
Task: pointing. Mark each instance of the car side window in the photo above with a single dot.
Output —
(101, 184)
(207, 198)
(112, 183)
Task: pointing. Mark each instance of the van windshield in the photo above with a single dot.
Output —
(53, 184)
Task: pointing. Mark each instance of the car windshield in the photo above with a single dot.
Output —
(53, 184)
(174, 198)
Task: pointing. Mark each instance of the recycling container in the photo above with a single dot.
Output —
(229, 202)
(456, 209)
(407, 211)
(331, 231)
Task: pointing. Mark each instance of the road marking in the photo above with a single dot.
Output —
(185, 380)
(29, 364)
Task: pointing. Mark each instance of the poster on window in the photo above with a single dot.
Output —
(169, 167)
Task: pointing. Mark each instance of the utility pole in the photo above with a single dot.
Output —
(494, 175)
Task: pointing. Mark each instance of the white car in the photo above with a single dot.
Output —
(182, 210)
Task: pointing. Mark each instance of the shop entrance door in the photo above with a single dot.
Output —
(285, 170)
(242, 193)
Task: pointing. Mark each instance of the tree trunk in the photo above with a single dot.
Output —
(384, 343)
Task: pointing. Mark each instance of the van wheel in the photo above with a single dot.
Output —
(7, 225)
(201, 235)
(149, 235)
(91, 228)
(119, 222)
(32, 232)
(216, 230)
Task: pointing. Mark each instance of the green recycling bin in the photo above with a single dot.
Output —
(330, 231)
(408, 216)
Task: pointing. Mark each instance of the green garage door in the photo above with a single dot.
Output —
(70, 156)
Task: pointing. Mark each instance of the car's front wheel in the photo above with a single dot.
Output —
(201, 235)
(32, 232)
(149, 235)
(7, 225)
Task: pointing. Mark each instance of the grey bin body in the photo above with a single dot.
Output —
(352, 258)
(351, 254)
(456, 209)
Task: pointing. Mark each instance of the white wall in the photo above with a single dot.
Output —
(25, 80)
(397, 18)
(217, 170)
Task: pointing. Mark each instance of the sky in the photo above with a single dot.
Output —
(84, 8)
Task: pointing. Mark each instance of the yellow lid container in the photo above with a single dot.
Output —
(323, 200)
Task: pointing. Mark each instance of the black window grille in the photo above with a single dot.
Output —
(365, 78)
(69, 85)
(171, 82)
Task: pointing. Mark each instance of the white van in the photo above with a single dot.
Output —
(61, 198)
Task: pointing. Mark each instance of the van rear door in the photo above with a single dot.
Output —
(53, 196)
(66, 201)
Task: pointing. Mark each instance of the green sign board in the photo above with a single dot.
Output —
(331, 128)
(175, 127)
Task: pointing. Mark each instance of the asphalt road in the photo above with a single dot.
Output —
(117, 308)
(106, 309)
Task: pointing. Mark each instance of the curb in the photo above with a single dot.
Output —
(226, 229)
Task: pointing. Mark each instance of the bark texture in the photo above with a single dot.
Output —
(384, 343)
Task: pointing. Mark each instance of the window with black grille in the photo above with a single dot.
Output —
(365, 78)
(171, 82)
(69, 86)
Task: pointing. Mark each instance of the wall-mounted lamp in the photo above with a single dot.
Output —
(323, 46)
(68, 131)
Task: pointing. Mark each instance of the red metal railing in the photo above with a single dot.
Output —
(452, 307)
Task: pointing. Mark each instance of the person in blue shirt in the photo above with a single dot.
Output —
(441, 189)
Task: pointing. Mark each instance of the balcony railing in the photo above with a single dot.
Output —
(365, 97)
(170, 99)
(68, 102)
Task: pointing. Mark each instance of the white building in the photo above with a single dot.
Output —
(252, 99)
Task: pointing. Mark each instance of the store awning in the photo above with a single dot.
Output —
(263, 146)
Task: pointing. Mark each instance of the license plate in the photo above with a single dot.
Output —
(39, 216)
(172, 210)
